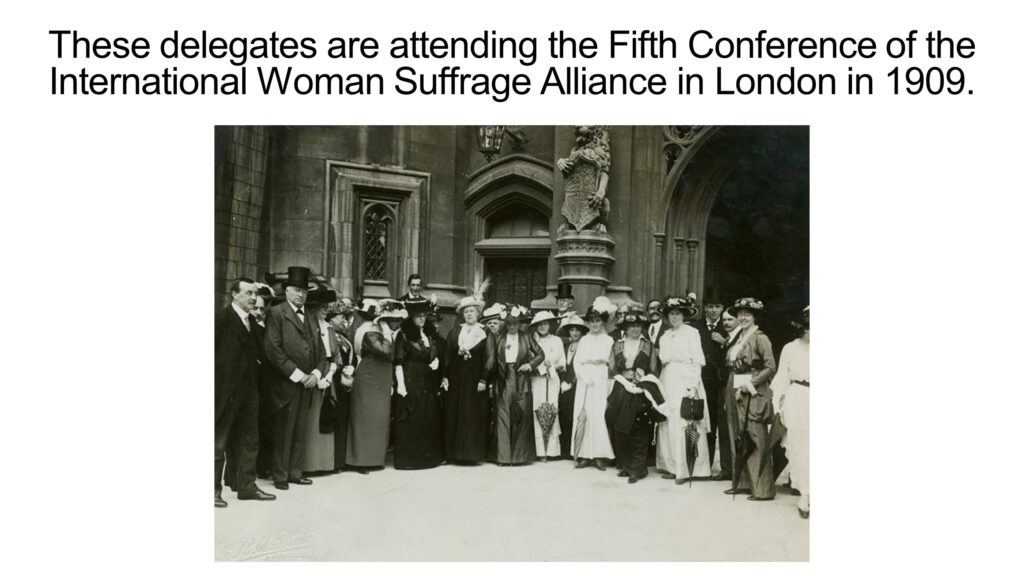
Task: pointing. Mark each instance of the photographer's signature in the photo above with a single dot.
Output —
(280, 546)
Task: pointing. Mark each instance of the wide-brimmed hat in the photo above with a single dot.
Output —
(752, 305)
(685, 304)
(415, 306)
(630, 318)
(515, 313)
(469, 301)
(334, 309)
(564, 291)
(493, 312)
(265, 292)
(543, 316)
(367, 309)
(570, 320)
(299, 276)
(391, 310)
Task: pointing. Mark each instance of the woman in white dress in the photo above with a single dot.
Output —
(791, 394)
(545, 383)
(681, 357)
(592, 363)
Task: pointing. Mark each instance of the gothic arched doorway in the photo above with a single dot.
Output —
(738, 219)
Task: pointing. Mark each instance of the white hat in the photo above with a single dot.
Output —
(493, 312)
(469, 301)
(543, 316)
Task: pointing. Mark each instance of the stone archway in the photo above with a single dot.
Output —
(499, 188)
(752, 183)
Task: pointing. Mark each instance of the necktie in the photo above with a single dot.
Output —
(245, 321)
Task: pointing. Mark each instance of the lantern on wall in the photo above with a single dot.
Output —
(488, 140)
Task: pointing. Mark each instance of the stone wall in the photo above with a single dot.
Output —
(241, 156)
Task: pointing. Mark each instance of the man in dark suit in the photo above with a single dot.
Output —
(294, 349)
(236, 394)
(710, 326)
(415, 285)
(657, 325)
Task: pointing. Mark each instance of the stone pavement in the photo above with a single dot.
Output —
(542, 512)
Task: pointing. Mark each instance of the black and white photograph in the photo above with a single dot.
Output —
(512, 343)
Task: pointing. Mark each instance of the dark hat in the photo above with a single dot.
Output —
(316, 295)
(298, 276)
(416, 306)
(564, 291)
(367, 309)
(266, 293)
(630, 318)
(752, 305)
(710, 298)
(334, 309)
(687, 305)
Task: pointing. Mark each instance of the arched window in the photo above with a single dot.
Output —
(518, 222)
(378, 226)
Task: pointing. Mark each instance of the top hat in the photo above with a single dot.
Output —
(752, 305)
(710, 298)
(298, 276)
(564, 291)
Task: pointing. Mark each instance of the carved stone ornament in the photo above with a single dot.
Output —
(678, 139)
(585, 173)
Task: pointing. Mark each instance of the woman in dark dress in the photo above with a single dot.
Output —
(371, 392)
(418, 440)
(634, 357)
(469, 360)
(751, 368)
(338, 314)
(518, 356)
(572, 329)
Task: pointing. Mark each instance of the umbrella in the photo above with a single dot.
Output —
(547, 414)
(581, 425)
(692, 436)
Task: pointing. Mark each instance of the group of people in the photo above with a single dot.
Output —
(300, 392)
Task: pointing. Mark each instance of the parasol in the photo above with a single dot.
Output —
(547, 414)
(581, 425)
(692, 436)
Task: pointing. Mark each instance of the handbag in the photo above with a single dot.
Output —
(692, 408)
(328, 413)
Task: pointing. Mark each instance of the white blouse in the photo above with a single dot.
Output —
(794, 364)
(681, 345)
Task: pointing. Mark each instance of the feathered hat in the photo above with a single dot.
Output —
(477, 297)
(601, 308)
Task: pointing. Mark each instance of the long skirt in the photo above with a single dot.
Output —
(418, 435)
(370, 413)
(514, 426)
(344, 396)
(795, 416)
(676, 379)
(319, 447)
(755, 470)
(592, 398)
(546, 390)
(465, 412)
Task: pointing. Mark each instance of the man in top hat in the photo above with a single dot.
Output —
(565, 301)
(712, 335)
(294, 350)
(236, 394)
